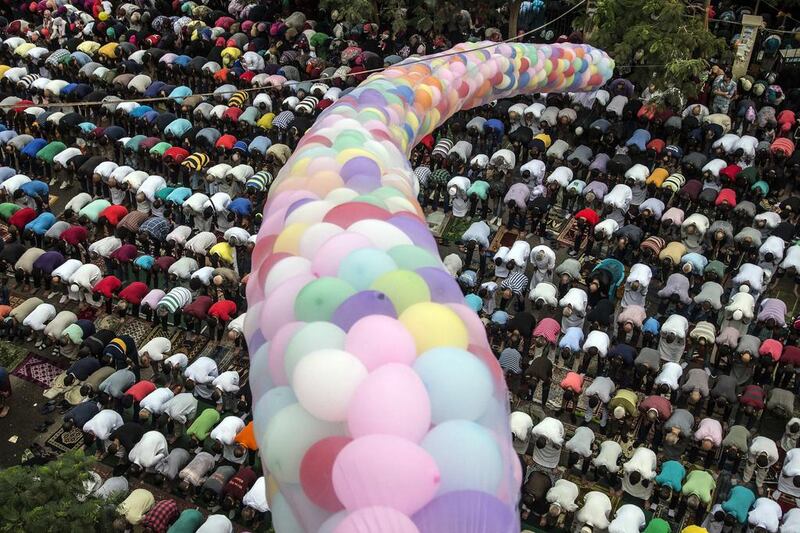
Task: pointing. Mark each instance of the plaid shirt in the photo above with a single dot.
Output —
(59, 56)
(161, 516)
(440, 177)
(157, 227)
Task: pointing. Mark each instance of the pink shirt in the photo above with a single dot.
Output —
(547, 328)
(709, 429)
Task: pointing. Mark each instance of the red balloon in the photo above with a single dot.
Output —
(346, 214)
(316, 472)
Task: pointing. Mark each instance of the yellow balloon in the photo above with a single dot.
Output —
(272, 488)
(403, 287)
(434, 325)
(289, 238)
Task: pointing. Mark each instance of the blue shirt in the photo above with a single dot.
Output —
(41, 224)
(671, 475)
(145, 262)
(33, 147)
(35, 188)
(240, 206)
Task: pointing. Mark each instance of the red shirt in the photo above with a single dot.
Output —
(125, 253)
(22, 217)
(790, 355)
(134, 293)
(753, 396)
(74, 235)
(199, 307)
(140, 389)
(163, 263)
(107, 286)
(223, 309)
(240, 483)
(659, 403)
(589, 215)
(114, 213)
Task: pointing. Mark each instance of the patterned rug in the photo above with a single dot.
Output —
(65, 441)
(566, 235)
(38, 370)
(143, 331)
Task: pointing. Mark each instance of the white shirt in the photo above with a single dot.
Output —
(86, 276)
(256, 497)
(105, 246)
(103, 423)
(765, 513)
(202, 370)
(581, 441)
(599, 340)
(201, 242)
(156, 348)
(216, 523)
(602, 387)
(595, 511)
(669, 375)
(154, 402)
(564, 493)
(67, 269)
(629, 519)
(78, 202)
(183, 268)
(179, 359)
(227, 381)
(150, 450)
(37, 318)
(181, 407)
(237, 324)
(226, 431)
(553, 430)
(608, 456)
(643, 462)
(14, 182)
(204, 274)
(179, 234)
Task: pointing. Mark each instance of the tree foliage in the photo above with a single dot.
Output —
(658, 33)
(43, 498)
(421, 15)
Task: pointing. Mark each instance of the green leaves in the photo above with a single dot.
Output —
(43, 498)
(674, 43)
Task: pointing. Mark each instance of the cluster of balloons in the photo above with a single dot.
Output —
(379, 406)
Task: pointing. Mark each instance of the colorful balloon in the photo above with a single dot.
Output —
(378, 403)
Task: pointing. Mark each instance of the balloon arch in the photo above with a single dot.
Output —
(378, 404)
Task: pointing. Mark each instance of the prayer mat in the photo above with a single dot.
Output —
(65, 441)
(456, 226)
(38, 370)
(566, 233)
(437, 222)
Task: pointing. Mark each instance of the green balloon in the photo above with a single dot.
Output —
(410, 257)
(404, 288)
(371, 199)
(319, 299)
(309, 338)
(385, 193)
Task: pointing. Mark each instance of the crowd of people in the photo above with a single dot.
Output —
(155, 129)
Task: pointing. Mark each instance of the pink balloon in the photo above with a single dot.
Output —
(391, 401)
(281, 304)
(475, 328)
(277, 350)
(378, 340)
(385, 470)
(376, 520)
(329, 255)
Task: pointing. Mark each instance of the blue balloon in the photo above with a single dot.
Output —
(361, 267)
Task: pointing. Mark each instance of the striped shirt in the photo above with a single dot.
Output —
(238, 99)
(510, 361)
(175, 299)
(517, 282)
(259, 181)
(442, 147)
(196, 161)
(283, 120)
(133, 221)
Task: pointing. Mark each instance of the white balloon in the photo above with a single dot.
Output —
(284, 269)
(315, 236)
(325, 381)
(382, 234)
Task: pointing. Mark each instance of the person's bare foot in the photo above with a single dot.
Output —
(4, 411)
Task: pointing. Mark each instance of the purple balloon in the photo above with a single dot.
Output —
(360, 305)
(469, 510)
(441, 285)
(417, 230)
(372, 97)
(361, 174)
(297, 204)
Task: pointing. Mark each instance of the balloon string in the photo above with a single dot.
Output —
(294, 82)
